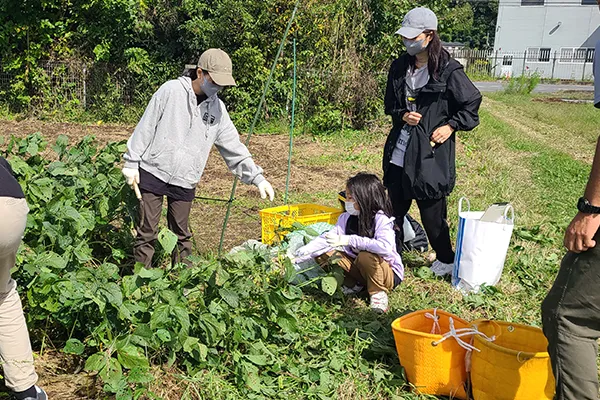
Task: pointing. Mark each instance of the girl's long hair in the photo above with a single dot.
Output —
(438, 56)
(370, 195)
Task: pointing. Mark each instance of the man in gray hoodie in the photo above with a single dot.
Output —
(168, 150)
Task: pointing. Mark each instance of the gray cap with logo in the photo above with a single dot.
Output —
(416, 21)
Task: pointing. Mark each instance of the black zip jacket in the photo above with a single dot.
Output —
(9, 187)
(429, 172)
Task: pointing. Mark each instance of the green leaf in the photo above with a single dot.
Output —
(95, 362)
(41, 189)
(329, 285)
(112, 372)
(112, 293)
(151, 274)
(32, 148)
(290, 271)
(160, 317)
(219, 277)
(424, 273)
(74, 346)
(140, 375)
(257, 359)
(50, 260)
(287, 323)
(167, 240)
(131, 356)
(60, 146)
(230, 297)
(107, 367)
(164, 335)
(196, 349)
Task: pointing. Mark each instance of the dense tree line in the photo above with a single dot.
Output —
(344, 48)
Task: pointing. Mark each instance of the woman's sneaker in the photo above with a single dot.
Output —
(440, 269)
(379, 302)
(348, 291)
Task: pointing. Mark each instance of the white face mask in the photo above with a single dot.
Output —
(350, 209)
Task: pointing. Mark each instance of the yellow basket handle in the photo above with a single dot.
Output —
(497, 328)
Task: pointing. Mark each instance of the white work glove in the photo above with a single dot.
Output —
(265, 188)
(131, 175)
(335, 240)
(301, 252)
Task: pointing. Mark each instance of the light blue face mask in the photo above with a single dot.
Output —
(414, 47)
(350, 209)
(209, 88)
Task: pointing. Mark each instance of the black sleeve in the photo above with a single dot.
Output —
(393, 107)
(4, 163)
(465, 100)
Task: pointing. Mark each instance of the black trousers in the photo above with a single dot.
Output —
(434, 216)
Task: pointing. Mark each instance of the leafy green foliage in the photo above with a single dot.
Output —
(130, 48)
(238, 316)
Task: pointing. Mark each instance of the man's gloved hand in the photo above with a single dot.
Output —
(265, 189)
(335, 240)
(131, 175)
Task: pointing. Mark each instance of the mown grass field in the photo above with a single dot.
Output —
(530, 152)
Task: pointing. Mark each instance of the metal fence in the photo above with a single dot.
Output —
(59, 82)
(566, 64)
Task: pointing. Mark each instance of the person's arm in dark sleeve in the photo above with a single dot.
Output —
(466, 100)
(393, 107)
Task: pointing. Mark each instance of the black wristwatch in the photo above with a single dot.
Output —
(584, 206)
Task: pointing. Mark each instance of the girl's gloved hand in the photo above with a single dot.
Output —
(335, 240)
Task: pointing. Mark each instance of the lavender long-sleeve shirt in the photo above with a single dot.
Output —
(382, 244)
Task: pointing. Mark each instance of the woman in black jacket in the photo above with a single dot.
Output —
(16, 357)
(429, 98)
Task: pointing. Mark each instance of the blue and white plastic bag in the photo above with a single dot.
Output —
(481, 245)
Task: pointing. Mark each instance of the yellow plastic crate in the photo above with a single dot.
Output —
(276, 221)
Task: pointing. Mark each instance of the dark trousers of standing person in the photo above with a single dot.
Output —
(571, 322)
(178, 214)
(434, 216)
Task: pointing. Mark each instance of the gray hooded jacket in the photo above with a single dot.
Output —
(173, 138)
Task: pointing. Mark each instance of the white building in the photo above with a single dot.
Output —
(555, 38)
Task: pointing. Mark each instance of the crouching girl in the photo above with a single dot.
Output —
(363, 242)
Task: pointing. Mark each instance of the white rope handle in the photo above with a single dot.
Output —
(462, 332)
(460, 204)
(435, 329)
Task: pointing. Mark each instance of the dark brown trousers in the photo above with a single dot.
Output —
(178, 214)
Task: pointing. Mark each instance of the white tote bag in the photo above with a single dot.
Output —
(481, 245)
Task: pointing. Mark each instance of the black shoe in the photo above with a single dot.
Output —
(40, 394)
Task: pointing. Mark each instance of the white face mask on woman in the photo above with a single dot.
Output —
(350, 209)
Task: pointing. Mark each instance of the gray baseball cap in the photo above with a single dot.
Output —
(416, 21)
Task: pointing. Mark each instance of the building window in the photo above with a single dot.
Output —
(533, 2)
(544, 55)
(536, 54)
(580, 55)
(588, 2)
(533, 54)
(566, 54)
(577, 55)
(507, 60)
(589, 57)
